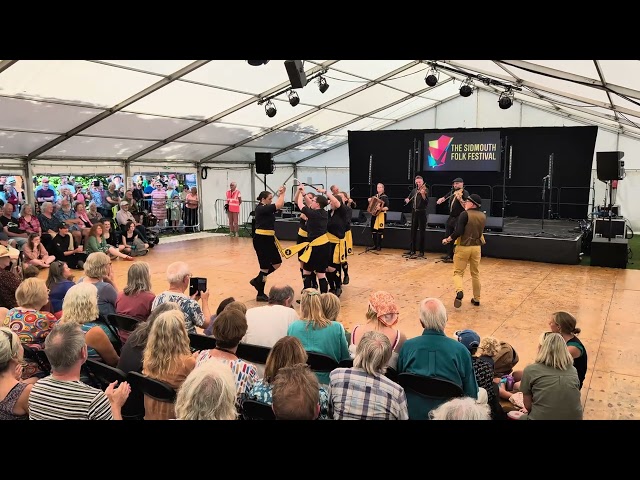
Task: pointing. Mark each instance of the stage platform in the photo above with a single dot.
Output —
(557, 241)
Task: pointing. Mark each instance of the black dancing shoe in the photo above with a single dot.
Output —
(345, 280)
(254, 283)
(338, 292)
(458, 301)
(262, 298)
(475, 302)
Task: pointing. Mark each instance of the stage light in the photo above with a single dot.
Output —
(270, 109)
(467, 88)
(432, 77)
(505, 100)
(322, 84)
(294, 99)
(257, 63)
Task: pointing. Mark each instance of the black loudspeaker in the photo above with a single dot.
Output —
(357, 216)
(264, 163)
(610, 228)
(431, 206)
(396, 217)
(436, 220)
(610, 166)
(609, 253)
(486, 206)
(494, 224)
(295, 70)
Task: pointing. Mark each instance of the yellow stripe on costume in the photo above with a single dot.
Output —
(302, 233)
(340, 252)
(349, 239)
(379, 223)
(285, 252)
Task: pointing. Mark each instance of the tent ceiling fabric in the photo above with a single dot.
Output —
(209, 111)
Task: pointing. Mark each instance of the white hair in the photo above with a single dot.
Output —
(177, 271)
(465, 408)
(433, 314)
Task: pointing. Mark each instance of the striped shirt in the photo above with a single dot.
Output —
(52, 399)
(357, 395)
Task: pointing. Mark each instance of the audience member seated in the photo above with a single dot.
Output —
(67, 215)
(124, 216)
(98, 271)
(31, 271)
(63, 248)
(35, 253)
(317, 333)
(228, 330)
(363, 392)
(61, 395)
(136, 298)
(269, 323)
(463, 408)
(131, 242)
(59, 281)
(208, 393)
(550, 386)
(9, 280)
(49, 223)
(80, 306)
(296, 394)
(29, 322)
(14, 394)
(223, 304)
(483, 369)
(382, 314)
(11, 226)
(133, 349)
(81, 214)
(286, 352)
(94, 215)
(331, 309)
(96, 242)
(28, 221)
(433, 354)
(178, 275)
(167, 357)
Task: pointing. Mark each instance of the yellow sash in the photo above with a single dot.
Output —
(340, 252)
(349, 239)
(291, 251)
(302, 233)
(379, 223)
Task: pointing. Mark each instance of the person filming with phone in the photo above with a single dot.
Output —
(179, 278)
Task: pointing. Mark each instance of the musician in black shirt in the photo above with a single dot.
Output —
(456, 207)
(264, 240)
(377, 222)
(315, 257)
(419, 200)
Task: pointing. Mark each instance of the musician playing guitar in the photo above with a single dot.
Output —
(377, 220)
(418, 199)
(456, 199)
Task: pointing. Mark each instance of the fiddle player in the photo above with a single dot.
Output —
(377, 221)
(456, 207)
(468, 234)
(419, 201)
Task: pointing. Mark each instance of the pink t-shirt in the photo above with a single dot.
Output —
(136, 306)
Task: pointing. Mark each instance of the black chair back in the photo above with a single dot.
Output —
(152, 388)
(346, 363)
(255, 410)
(104, 374)
(253, 353)
(117, 343)
(201, 342)
(37, 356)
(319, 362)
(122, 322)
(430, 387)
(392, 374)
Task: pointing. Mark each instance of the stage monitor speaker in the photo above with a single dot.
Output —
(437, 220)
(610, 166)
(494, 224)
(357, 216)
(397, 218)
(609, 253)
(264, 163)
(486, 206)
(295, 70)
(616, 229)
(431, 206)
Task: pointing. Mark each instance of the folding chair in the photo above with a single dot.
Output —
(255, 410)
(201, 342)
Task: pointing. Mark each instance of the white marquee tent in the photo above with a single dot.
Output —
(139, 116)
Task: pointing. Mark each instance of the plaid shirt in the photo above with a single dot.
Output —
(356, 395)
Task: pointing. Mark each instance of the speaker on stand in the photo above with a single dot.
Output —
(264, 165)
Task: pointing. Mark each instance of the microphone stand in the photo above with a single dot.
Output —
(544, 192)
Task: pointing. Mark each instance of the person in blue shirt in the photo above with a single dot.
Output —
(433, 354)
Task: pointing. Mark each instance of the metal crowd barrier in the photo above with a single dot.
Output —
(245, 216)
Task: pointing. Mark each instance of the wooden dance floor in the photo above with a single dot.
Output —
(517, 300)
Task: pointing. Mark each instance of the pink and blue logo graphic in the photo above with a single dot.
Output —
(437, 152)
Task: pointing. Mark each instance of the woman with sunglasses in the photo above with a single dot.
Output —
(14, 394)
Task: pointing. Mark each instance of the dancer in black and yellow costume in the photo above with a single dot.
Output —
(336, 229)
(317, 249)
(348, 237)
(377, 222)
(265, 242)
(302, 237)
